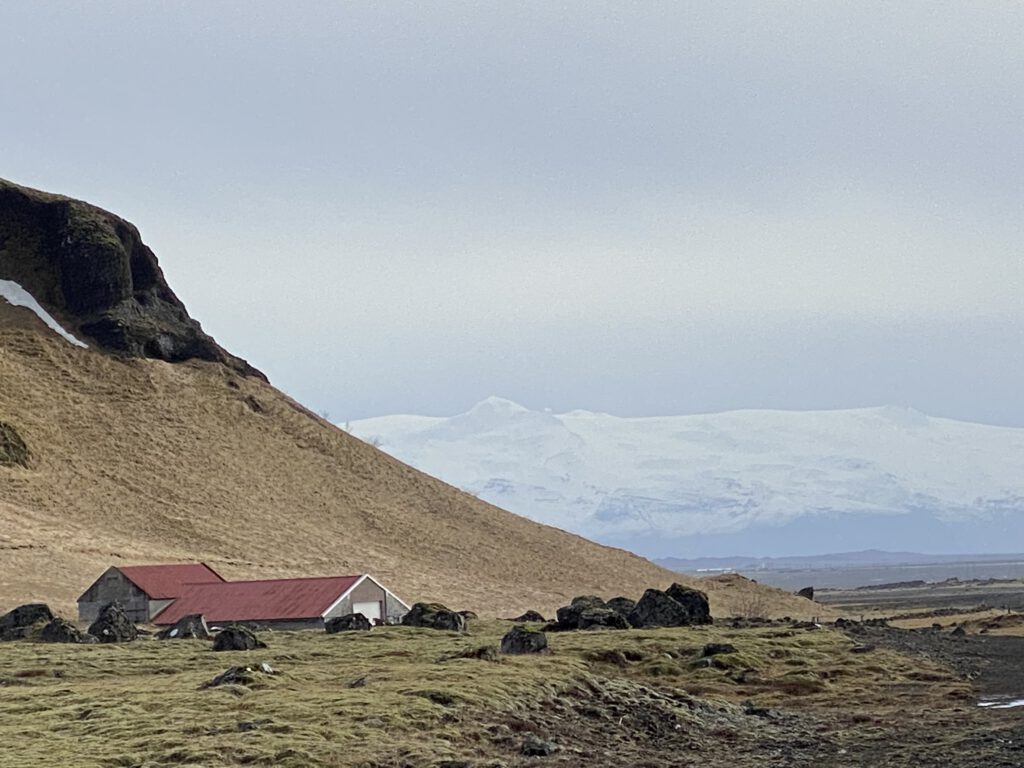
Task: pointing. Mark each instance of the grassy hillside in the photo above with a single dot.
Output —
(138, 460)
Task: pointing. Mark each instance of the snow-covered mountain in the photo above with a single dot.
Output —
(757, 482)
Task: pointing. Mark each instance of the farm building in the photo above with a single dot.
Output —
(285, 603)
(143, 590)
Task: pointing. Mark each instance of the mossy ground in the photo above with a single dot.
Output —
(399, 696)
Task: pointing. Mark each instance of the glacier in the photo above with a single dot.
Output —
(765, 482)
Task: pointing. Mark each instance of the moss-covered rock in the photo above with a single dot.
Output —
(434, 616)
(13, 450)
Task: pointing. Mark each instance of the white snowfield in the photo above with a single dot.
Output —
(625, 479)
(17, 296)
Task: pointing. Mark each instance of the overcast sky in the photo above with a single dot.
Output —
(639, 208)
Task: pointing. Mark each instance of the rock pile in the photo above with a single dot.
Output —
(520, 640)
(60, 630)
(678, 606)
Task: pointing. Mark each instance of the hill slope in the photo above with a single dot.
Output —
(135, 459)
(760, 482)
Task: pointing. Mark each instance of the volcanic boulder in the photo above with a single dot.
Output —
(520, 640)
(678, 606)
(18, 623)
(350, 622)
(237, 638)
(434, 616)
(63, 631)
(190, 627)
(113, 625)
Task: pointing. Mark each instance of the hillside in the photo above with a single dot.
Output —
(744, 482)
(135, 459)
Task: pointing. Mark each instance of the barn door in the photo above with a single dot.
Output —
(369, 610)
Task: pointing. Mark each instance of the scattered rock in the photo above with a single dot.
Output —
(862, 648)
(520, 639)
(237, 638)
(19, 622)
(191, 627)
(568, 616)
(807, 592)
(468, 615)
(713, 649)
(482, 653)
(359, 682)
(596, 618)
(534, 746)
(247, 676)
(587, 612)
(63, 631)
(531, 616)
(958, 632)
(113, 625)
(434, 616)
(351, 622)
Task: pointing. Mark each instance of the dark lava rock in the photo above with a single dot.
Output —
(659, 609)
(958, 632)
(568, 616)
(694, 601)
(534, 746)
(807, 592)
(13, 450)
(237, 638)
(520, 640)
(468, 615)
(92, 271)
(247, 676)
(713, 649)
(63, 631)
(862, 648)
(113, 625)
(190, 627)
(596, 618)
(532, 616)
(622, 605)
(17, 623)
(434, 616)
(350, 622)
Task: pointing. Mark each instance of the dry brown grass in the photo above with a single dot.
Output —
(141, 704)
(144, 461)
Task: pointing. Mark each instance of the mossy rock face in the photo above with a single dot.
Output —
(13, 450)
(91, 269)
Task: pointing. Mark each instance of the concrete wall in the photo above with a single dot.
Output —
(113, 586)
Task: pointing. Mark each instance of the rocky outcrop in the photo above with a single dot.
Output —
(20, 622)
(237, 638)
(112, 625)
(520, 640)
(622, 605)
(807, 592)
(350, 622)
(434, 616)
(190, 627)
(91, 270)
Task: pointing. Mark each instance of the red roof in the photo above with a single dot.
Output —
(271, 600)
(164, 581)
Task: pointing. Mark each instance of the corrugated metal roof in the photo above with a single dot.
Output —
(271, 600)
(163, 581)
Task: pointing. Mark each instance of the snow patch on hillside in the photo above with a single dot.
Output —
(17, 296)
(621, 480)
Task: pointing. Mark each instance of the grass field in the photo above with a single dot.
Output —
(400, 696)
